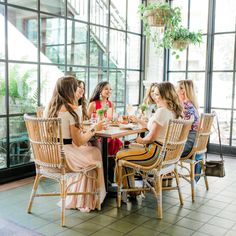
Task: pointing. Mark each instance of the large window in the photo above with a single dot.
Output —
(212, 64)
(95, 40)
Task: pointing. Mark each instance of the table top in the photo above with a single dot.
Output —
(116, 132)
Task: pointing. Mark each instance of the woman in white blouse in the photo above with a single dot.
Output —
(63, 104)
(169, 107)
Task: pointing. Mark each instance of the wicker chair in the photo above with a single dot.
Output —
(39, 111)
(199, 147)
(47, 145)
(166, 163)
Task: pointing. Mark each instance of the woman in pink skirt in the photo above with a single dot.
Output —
(63, 104)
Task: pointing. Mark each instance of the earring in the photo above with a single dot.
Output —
(100, 96)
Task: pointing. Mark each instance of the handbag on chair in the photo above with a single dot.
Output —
(216, 168)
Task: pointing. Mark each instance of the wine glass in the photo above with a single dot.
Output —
(130, 109)
(109, 114)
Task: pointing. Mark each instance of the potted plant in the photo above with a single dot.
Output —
(160, 15)
(143, 107)
(182, 37)
(100, 113)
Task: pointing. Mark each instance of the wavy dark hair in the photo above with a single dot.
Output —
(97, 91)
(64, 94)
(168, 93)
(83, 101)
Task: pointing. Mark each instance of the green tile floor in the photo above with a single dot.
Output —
(213, 212)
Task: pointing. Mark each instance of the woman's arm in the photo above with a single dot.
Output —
(80, 138)
(91, 108)
(137, 120)
(153, 133)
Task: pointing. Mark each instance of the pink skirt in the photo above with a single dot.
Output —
(79, 157)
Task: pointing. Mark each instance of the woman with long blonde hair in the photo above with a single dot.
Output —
(187, 96)
(169, 107)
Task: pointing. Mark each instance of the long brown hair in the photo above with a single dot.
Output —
(97, 91)
(189, 89)
(83, 101)
(168, 93)
(64, 94)
(148, 99)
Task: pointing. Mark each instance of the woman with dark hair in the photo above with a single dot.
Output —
(98, 100)
(63, 104)
(80, 94)
(169, 107)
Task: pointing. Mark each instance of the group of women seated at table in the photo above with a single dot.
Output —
(68, 102)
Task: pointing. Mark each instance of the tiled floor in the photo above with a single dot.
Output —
(213, 213)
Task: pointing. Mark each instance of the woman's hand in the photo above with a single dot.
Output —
(133, 119)
(139, 140)
(99, 126)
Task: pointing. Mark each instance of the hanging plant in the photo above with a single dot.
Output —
(160, 15)
(180, 38)
(174, 37)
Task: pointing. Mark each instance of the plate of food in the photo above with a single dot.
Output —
(128, 126)
(114, 123)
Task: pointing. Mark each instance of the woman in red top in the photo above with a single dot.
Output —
(100, 99)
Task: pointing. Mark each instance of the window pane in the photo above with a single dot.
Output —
(117, 48)
(30, 4)
(175, 77)
(76, 43)
(178, 64)
(19, 27)
(197, 56)
(19, 142)
(23, 92)
(222, 98)
(133, 51)
(225, 15)
(118, 14)
(2, 32)
(95, 76)
(98, 46)
(48, 78)
(199, 15)
(56, 7)
(3, 142)
(132, 87)
(77, 9)
(134, 21)
(52, 39)
(78, 72)
(154, 64)
(224, 52)
(199, 84)
(117, 81)
(2, 89)
(234, 130)
(224, 117)
(99, 12)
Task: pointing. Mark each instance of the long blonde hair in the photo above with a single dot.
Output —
(168, 93)
(148, 99)
(189, 89)
(64, 94)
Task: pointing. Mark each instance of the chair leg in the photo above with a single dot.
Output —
(192, 180)
(159, 197)
(98, 187)
(33, 192)
(178, 186)
(204, 174)
(119, 184)
(63, 199)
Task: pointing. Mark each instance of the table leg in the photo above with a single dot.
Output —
(105, 161)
